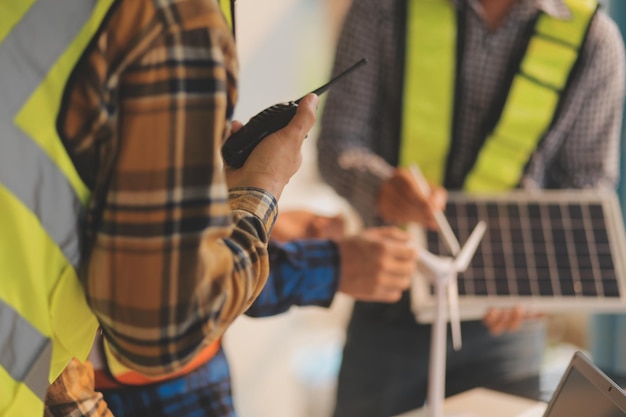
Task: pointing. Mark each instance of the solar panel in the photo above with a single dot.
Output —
(548, 251)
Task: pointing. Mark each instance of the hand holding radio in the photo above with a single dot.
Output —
(278, 157)
(240, 144)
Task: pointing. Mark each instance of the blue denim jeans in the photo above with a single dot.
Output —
(204, 392)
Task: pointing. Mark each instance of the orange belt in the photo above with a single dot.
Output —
(105, 380)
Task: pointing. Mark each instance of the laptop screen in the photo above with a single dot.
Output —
(585, 391)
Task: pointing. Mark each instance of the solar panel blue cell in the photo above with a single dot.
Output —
(546, 247)
(523, 287)
(541, 260)
(610, 287)
(545, 287)
(589, 287)
(567, 287)
(502, 287)
(575, 211)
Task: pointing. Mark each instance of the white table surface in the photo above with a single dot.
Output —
(482, 402)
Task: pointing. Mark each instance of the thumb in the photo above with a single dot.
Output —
(235, 126)
(304, 119)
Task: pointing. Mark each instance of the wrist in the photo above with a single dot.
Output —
(262, 181)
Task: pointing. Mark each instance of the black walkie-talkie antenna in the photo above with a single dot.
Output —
(239, 145)
(326, 86)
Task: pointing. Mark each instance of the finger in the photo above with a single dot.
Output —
(235, 126)
(400, 267)
(489, 316)
(397, 258)
(406, 187)
(377, 289)
(502, 320)
(497, 327)
(392, 200)
(405, 254)
(305, 118)
(393, 243)
(418, 194)
(418, 205)
(396, 275)
(395, 205)
(392, 234)
(491, 320)
(428, 198)
(515, 318)
(438, 198)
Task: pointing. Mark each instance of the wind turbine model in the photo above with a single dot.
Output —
(443, 272)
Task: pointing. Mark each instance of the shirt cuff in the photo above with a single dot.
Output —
(322, 278)
(256, 202)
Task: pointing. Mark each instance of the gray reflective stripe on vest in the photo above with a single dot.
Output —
(24, 352)
(24, 168)
(29, 173)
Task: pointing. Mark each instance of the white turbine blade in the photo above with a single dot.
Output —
(460, 264)
(443, 272)
(442, 222)
(469, 248)
(436, 265)
(455, 315)
(446, 232)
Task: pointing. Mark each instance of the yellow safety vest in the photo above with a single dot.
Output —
(116, 373)
(44, 318)
(530, 105)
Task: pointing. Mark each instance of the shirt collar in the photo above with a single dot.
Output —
(555, 8)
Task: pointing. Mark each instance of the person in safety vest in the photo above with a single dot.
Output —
(116, 207)
(447, 85)
(374, 265)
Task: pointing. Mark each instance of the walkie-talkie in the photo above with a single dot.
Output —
(240, 144)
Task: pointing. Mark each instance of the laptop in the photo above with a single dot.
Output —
(583, 391)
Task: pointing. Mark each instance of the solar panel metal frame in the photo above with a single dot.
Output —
(474, 306)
